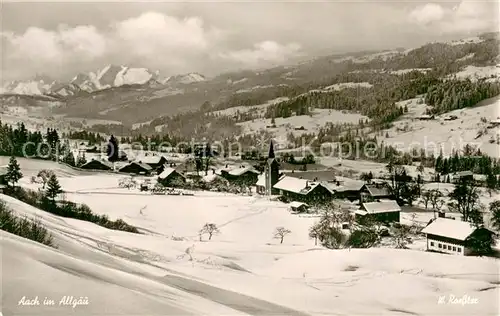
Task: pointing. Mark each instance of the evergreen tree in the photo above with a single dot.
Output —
(495, 214)
(491, 183)
(465, 200)
(81, 160)
(53, 188)
(113, 149)
(13, 172)
(69, 158)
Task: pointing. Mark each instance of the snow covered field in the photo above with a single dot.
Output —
(243, 270)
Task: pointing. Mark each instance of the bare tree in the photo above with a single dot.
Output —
(44, 176)
(210, 229)
(426, 198)
(401, 236)
(280, 233)
(315, 233)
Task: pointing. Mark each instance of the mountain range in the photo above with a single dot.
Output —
(107, 77)
(133, 95)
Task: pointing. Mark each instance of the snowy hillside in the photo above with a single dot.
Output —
(184, 79)
(471, 126)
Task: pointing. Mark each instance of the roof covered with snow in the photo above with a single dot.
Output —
(241, 170)
(101, 161)
(150, 159)
(381, 207)
(378, 189)
(142, 165)
(345, 186)
(296, 185)
(166, 172)
(297, 204)
(450, 228)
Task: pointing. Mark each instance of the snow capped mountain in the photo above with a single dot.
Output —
(113, 76)
(31, 87)
(185, 79)
(108, 77)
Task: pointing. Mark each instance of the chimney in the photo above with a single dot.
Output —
(338, 183)
(307, 183)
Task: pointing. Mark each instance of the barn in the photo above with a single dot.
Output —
(243, 175)
(302, 190)
(454, 237)
(385, 211)
(375, 192)
(136, 168)
(96, 164)
(171, 177)
(154, 162)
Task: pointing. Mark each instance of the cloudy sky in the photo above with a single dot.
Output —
(60, 39)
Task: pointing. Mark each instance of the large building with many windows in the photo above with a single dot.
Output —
(454, 237)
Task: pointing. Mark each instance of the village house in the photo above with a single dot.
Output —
(343, 188)
(346, 189)
(461, 175)
(299, 207)
(453, 236)
(494, 123)
(242, 175)
(171, 177)
(375, 192)
(153, 161)
(386, 211)
(425, 117)
(97, 164)
(136, 168)
(302, 190)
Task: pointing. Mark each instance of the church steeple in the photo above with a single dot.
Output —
(271, 151)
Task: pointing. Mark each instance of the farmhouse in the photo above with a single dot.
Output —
(170, 177)
(136, 168)
(453, 236)
(346, 189)
(302, 190)
(154, 162)
(244, 175)
(298, 207)
(461, 175)
(385, 211)
(425, 117)
(375, 192)
(96, 164)
(451, 118)
(494, 123)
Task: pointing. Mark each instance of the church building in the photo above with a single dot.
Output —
(271, 175)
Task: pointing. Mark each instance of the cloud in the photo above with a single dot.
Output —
(214, 37)
(467, 17)
(151, 39)
(266, 52)
(428, 13)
